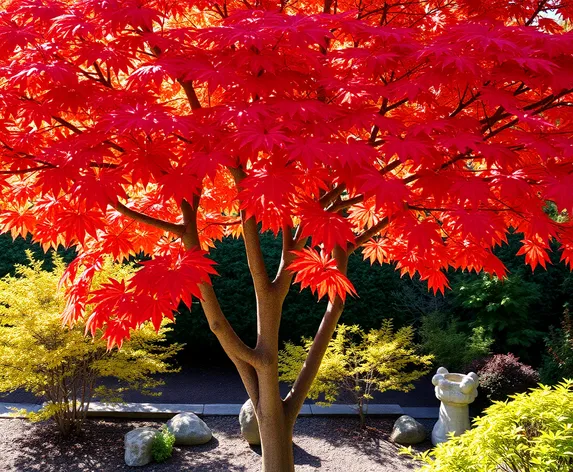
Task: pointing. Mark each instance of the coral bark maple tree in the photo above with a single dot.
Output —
(418, 132)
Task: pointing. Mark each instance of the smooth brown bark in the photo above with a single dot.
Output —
(275, 429)
(277, 446)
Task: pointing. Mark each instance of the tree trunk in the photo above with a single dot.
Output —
(275, 428)
(361, 414)
(276, 444)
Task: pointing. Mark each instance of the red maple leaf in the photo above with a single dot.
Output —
(326, 228)
(319, 272)
(535, 252)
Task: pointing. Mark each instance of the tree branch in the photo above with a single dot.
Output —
(76, 130)
(331, 196)
(343, 204)
(150, 220)
(284, 277)
(294, 400)
(463, 104)
(191, 94)
(369, 234)
(384, 108)
(218, 323)
(24, 171)
(537, 11)
(255, 258)
(103, 80)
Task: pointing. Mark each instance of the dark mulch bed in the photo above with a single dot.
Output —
(220, 383)
(329, 444)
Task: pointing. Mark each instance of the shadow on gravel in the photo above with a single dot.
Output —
(344, 433)
(100, 449)
(334, 444)
(301, 457)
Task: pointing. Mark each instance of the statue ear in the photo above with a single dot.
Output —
(436, 379)
(469, 383)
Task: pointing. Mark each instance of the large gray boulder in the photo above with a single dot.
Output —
(138, 446)
(407, 431)
(189, 430)
(249, 424)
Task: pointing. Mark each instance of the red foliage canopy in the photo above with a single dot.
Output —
(421, 130)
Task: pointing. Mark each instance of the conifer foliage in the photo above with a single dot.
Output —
(420, 131)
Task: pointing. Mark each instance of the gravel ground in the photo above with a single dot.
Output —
(326, 444)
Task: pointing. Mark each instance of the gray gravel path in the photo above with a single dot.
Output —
(325, 444)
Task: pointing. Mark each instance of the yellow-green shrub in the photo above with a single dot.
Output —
(359, 363)
(60, 363)
(531, 432)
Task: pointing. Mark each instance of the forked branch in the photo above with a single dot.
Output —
(150, 220)
(252, 241)
(295, 398)
(218, 323)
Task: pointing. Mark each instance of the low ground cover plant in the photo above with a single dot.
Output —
(59, 363)
(531, 432)
(359, 363)
(162, 446)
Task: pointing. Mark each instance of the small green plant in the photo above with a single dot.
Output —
(162, 445)
(531, 433)
(359, 363)
(558, 363)
(60, 363)
(452, 348)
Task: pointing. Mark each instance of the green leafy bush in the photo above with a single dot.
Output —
(502, 308)
(503, 375)
(162, 445)
(359, 363)
(532, 432)
(558, 363)
(451, 347)
(14, 253)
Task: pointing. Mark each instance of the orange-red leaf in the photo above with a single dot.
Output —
(319, 272)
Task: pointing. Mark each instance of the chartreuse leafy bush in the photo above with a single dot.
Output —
(162, 445)
(531, 432)
(359, 363)
(61, 364)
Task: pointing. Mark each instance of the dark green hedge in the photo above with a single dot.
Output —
(517, 313)
(13, 252)
(378, 289)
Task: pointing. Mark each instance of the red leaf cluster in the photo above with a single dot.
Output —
(421, 131)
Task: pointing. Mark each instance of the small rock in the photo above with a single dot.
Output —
(408, 431)
(249, 424)
(138, 446)
(189, 429)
